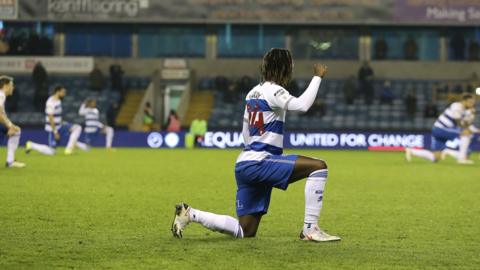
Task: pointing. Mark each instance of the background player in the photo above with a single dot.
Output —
(449, 126)
(261, 166)
(462, 153)
(93, 126)
(56, 128)
(7, 128)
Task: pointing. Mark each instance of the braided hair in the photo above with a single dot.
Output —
(277, 66)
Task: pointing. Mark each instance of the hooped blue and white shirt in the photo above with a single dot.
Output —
(92, 118)
(53, 107)
(449, 118)
(264, 120)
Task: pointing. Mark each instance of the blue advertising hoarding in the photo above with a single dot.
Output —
(121, 139)
(375, 141)
(329, 140)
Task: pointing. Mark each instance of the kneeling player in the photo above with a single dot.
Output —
(261, 166)
(7, 128)
(57, 129)
(93, 126)
(467, 140)
(449, 126)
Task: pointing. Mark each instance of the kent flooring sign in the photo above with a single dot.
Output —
(461, 12)
(64, 65)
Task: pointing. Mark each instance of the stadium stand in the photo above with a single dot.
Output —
(338, 115)
(414, 58)
(78, 91)
(217, 100)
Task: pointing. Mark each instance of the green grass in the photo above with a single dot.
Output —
(113, 210)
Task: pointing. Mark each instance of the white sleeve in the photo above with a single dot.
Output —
(49, 108)
(100, 124)
(2, 101)
(456, 110)
(82, 110)
(469, 116)
(305, 101)
(474, 129)
(245, 128)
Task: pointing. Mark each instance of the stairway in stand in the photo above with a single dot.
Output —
(200, 107)
(129, 107)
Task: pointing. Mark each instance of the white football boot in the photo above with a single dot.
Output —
(315, 234)
(408, 154)
(465, 162)
(180, 219)
(15, 164)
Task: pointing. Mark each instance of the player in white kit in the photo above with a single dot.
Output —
(468, 139)
(8, 129)
(450, 125)
(93, 127)
(56, 128)
(261, 166)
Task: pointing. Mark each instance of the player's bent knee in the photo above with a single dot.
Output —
(248, 231)
(76, 127)
(320, 165)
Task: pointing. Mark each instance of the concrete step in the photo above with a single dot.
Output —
(129, 107)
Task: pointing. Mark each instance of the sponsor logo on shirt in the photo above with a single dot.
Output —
(280, 92)
(254, 95)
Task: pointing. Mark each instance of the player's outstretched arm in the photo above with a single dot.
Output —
(305, 101)
(83, 109)
(51, 121)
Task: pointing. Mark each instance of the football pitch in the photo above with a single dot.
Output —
(114, 210)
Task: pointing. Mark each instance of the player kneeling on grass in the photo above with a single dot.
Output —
(7, 128)
(93, 126)
(261, 166)
(57, 129)
(451, 124)
(466, 139)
